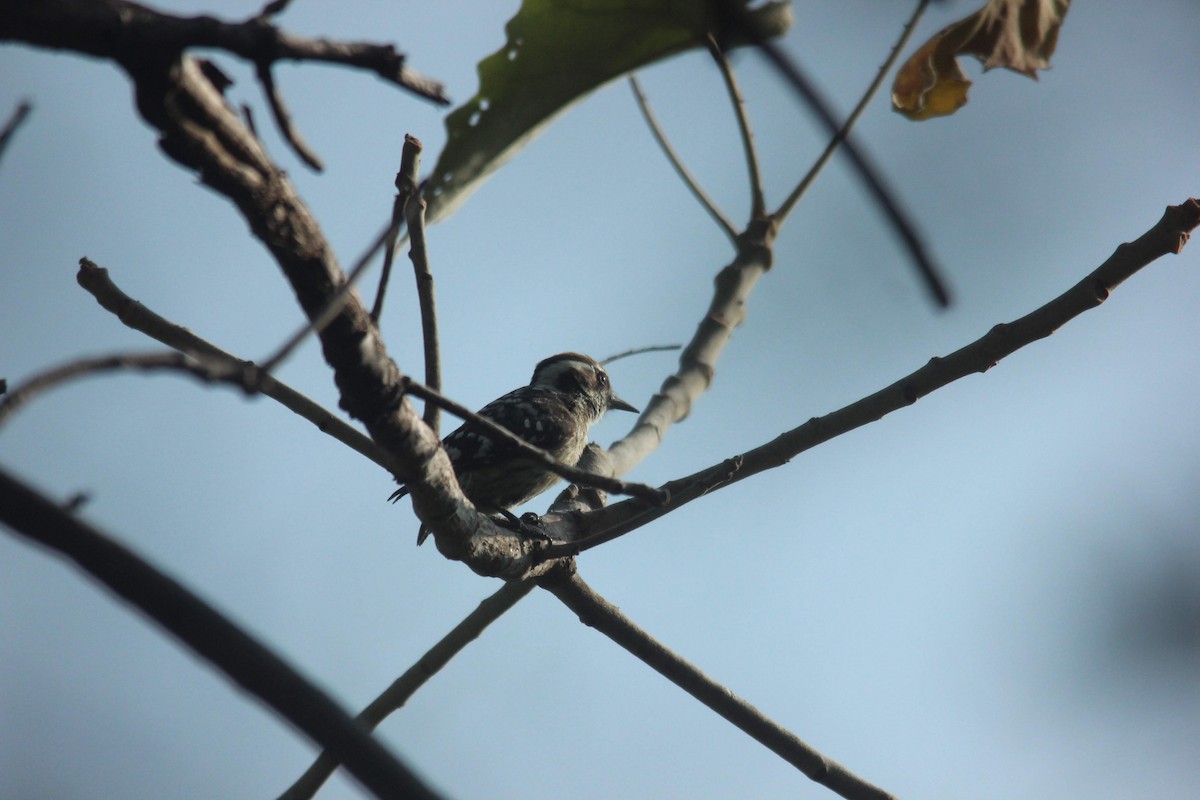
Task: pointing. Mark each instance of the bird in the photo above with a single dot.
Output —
(566, 396)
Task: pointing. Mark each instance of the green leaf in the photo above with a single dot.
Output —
(558, 51)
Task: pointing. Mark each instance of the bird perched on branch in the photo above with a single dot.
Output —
(568, 394)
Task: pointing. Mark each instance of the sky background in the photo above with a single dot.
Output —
(990, 594)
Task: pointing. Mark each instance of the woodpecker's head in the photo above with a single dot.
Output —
(581, 381)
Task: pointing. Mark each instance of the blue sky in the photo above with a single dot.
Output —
(984, 595)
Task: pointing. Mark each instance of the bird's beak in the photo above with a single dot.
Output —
(618, 403)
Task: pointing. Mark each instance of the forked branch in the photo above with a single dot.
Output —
(1168, 235)
(96, 281)
(839, 137)
(127, 32)
(740, 24)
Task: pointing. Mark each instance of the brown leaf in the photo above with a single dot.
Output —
(1016, 34)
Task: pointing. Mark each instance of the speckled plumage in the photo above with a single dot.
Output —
(568, 393)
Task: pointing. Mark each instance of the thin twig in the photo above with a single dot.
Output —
(414, 217)
(406, 186)
(96, 280)
(781, 214)
(210, 635)
(117, 362)
(870, 174)
(510, 439)
(698, 362)
(637, 351)
(693, 186)
(283, 120)
(20, 113)
(333, 306)
(395, 696)
(758, 205)
(272, 9)
(1168, 235)
(596, 612)
(248, 118)
(128, 32)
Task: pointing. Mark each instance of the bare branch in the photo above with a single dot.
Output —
(96, 280)
(637, 351)
(596, 612)
(395, 696)
(758, 206)
(333, 306)
(406, 187)
(570, 472)
(1168, 235)
(414, 217)
(86, 367)
(697, 362)
(20, 113)
(199, 130)
(740, 24)
(128, 33)
(786, 208)
(272, 9)
(693, 186)
(283, 119)
(210, 635)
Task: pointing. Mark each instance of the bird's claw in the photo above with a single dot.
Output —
(529, 524)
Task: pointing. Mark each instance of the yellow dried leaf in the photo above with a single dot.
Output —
(1015, 34)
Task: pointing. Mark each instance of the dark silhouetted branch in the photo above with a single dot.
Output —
(596, 612)
(836, 141)
(396, 695)
(739, 24)
(128, 33)
(20, 113)
(96, 280)
(210, 635)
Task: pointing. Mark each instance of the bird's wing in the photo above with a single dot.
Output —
(535, 414)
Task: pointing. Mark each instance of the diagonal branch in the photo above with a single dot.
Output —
(395, 696)
(1168, 235)
(414, 218)
(596, 612)
(838, 138)
(740, 23)
(130, 33)
(283, 120)
(96, 280)
(210, 635)
(334, 303)
(637, 351)
(406, 187)
(118, 362)
(682, 171)
(198, 129)
(758, 206)
(697, 363)
(18, 116)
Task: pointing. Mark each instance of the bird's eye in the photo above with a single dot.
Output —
(602, 378)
